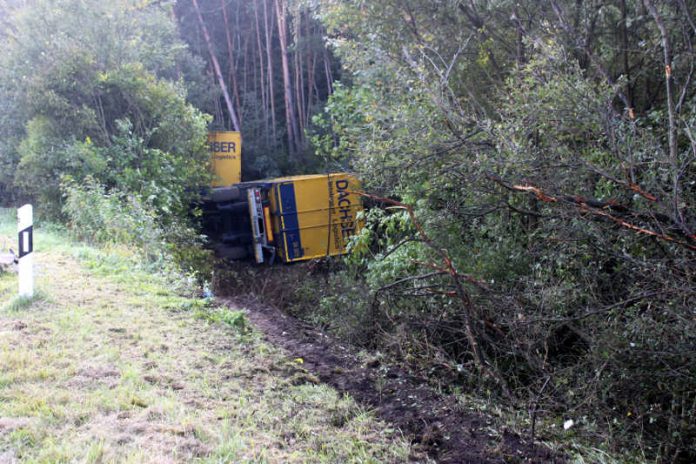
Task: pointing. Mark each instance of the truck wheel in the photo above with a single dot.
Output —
(234, 208)
(233, 253)
(219, 195)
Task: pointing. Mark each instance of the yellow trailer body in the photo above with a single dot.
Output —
(292, 218)
(315, 215)
(225, 151)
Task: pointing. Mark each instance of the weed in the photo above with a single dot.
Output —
(236, 319)
(233, 318)
(95, 453)
(8, 286)
(190, 304)
(21, 303)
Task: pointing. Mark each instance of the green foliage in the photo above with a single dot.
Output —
(101, 217)
(87, 95)
(120, 219)
(232, 318)
(386, 249)
(342, 113)
(534, 150)
(376, 129)
(99, 131)
(45, 157)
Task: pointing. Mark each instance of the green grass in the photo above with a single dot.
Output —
(8, 221)
(235, 319)
(8, 287)
(111, 362)
(20, 303)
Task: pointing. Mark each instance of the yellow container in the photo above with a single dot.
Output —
(314, 216)
(226, 157)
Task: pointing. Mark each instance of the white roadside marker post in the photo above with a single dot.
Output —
(25, 235)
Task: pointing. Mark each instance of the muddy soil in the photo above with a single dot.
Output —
(440, 427)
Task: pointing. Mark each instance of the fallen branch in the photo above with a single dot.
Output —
(597, 208)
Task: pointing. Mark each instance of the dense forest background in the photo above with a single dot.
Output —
(273, 70)
(531, 166)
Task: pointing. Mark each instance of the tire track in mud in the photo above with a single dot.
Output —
(440, 428)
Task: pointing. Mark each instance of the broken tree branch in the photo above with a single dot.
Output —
(598, 208)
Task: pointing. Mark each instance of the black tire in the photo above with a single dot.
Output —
(233, 253)
(235, 240)
(224, 194)
(239, 207)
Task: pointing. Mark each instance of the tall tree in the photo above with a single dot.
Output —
(262, 85)
(252, 46)
(216, 68)
(294, 135)
(231, 54)
(268, 21)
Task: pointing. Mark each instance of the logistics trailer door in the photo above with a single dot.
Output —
(315, 216)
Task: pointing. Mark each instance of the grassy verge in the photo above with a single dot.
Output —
(110, 365)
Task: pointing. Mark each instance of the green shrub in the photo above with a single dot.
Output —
(103, 217)
(100, 217)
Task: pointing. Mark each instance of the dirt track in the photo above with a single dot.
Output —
(439, 427)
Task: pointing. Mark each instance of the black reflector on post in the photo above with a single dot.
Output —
(26, 241)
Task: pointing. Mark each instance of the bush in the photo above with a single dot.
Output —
(114, 218)
(116, 111)
(560, 219)
(100, 217)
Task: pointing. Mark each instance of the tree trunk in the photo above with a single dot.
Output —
(327, 72)
(671, 116)
(299, 75)
(624, 52)
(230, 56)
(311, 83)
(216, 68)
(269, 62)
(311, 64)
(245, 63)
(291, 119)
(262, 86)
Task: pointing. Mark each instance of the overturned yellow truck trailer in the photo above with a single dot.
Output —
(289, 218)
